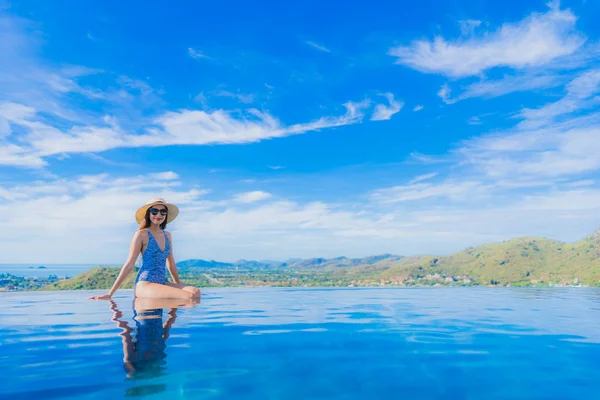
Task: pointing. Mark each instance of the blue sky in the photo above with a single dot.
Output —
(297, 130)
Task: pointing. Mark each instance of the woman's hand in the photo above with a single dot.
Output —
(101, 297)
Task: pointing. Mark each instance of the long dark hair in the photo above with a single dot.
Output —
(146, 222)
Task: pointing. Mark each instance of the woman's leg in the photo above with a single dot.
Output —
(156, 290)
(193, 290)
(142, 304)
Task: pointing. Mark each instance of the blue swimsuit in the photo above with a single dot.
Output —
(154, 261)
(149, 345)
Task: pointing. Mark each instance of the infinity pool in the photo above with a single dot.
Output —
(304, 344)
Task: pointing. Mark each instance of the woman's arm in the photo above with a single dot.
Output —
(167, 326)
(125, 334)
(134, 251)
(171, 263)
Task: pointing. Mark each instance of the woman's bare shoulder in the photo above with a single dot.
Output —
(140, 235)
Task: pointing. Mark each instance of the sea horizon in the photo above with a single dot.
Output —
(40, 270)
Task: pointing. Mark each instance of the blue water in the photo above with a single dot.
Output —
(455, 343)
(34, 270)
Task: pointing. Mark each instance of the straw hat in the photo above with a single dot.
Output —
(140, 214)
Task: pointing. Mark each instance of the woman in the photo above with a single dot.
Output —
(155, 245)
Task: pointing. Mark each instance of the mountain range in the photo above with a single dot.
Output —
(525, 260)
(297, 263)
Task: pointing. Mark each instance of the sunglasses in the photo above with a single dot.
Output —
(155, 211)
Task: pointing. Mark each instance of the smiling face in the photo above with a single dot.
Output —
(157, 214)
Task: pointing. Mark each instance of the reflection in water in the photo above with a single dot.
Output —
(144, 346)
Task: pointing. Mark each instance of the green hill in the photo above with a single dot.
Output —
(95, 278)
(521, 261)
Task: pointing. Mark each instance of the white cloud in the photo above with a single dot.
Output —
(401, 220)
(585, 85)
(558, 138)
(418, 108)
(164, 176)
(141, 88)
(534, 41)
(383, 112)
(185, 127)
(11, 154)
(427, 159)
(10, 113)
(583, 183)
(554, 140)
(444, 94)
(199, 127)
(197, 54)
(568, 153)
(202, 100)
(252, 197)
(474, 121)
(16, 112)
(578, 97)
(542, 153)
(458, 190)
(5, 128)
(354, 114)
(509, 84)
(244, 98)
(318, 47)
(282, 229)
(423, 177)
(74, 209)
(467, 27)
